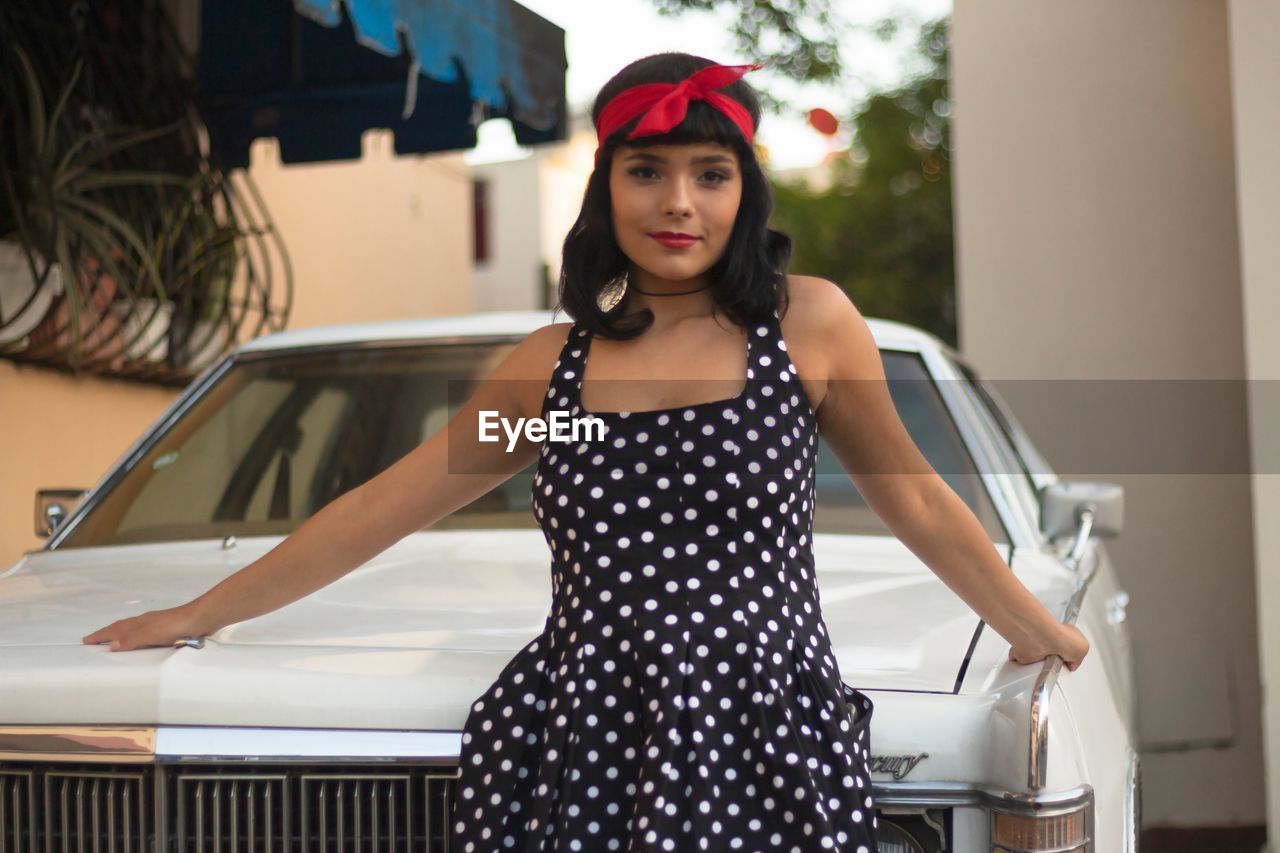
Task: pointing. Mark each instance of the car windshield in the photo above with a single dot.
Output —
(279, 435)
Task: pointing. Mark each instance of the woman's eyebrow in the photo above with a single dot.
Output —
(657, 158)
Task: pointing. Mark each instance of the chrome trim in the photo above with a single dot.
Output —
(168, 744)
(390, 343)
(1008, 425)
(412, 339)
(943, 375)
(1038, 757)
(1022, 494)
(197, 743)
(1038, 752)
(117, 744)
(969, 794)
(1082, 536)
(1132, 803)
(220, 743)
(1072, 609)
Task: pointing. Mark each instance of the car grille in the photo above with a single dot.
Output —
(261, 807)
(167, 807)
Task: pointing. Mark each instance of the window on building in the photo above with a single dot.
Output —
(480, 225)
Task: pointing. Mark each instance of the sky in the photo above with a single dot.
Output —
(602, 37)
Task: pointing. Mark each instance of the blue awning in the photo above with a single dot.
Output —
(318, 74)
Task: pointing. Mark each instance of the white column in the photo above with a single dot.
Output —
(1097, 239)
(1255, 77)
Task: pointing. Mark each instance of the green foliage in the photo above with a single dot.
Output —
(796, 39)
(883, 230)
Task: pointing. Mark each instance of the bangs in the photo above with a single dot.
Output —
(702, 123)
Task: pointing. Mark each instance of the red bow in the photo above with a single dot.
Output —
(666, 104)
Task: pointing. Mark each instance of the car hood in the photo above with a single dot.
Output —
(411, 638)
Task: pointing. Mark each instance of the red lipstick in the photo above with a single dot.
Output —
(673, 239)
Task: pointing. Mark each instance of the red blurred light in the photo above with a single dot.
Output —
(823, 121)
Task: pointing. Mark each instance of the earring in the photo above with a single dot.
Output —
(613, 292)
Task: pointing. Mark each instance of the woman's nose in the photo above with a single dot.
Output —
(677, 201)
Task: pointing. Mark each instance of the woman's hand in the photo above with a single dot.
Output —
(153, 628)
(1068, 643)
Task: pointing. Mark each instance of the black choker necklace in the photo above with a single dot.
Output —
(678, 293)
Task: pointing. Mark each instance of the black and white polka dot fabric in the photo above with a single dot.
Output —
(683, 694)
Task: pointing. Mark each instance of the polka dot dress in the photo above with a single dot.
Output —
(683, 694)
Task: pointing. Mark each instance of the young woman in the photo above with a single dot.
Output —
(683, 694)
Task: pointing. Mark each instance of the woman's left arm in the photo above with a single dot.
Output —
(859, 422)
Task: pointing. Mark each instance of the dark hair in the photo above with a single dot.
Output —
(748, 282)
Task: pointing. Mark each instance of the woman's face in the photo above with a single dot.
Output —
(674, 206)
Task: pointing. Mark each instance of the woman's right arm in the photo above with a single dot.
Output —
(444, 473)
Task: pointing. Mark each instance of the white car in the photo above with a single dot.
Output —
(336, 720)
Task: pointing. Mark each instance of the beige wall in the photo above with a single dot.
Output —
(1255, 72)
(382, 238)
(60, 431)
(1097, 239)
(512, 277)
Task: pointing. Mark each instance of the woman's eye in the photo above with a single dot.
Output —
(716, 177)
(641, 171)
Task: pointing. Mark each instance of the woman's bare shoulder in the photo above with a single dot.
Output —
(816, 306)
(534, 358)
(548, 338)
(815, 293)
(522, 376)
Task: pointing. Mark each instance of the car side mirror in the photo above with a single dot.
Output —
(1062, 503)
(52, 508)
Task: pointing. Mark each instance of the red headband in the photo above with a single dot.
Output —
(665, 104)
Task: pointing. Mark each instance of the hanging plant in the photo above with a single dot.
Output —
(56, 196)
(122, 251)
